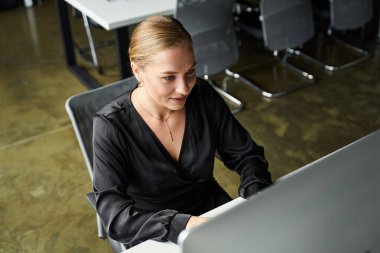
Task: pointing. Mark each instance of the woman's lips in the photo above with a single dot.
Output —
(179, 99)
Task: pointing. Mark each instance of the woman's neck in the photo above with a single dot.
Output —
(149, 106)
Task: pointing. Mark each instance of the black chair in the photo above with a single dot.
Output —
(283, 25)
(338, 16)
(211, 25)
(80, 109)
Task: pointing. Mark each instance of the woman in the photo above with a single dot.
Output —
(154, 146)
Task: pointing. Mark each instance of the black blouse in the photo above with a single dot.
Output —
(142, 192)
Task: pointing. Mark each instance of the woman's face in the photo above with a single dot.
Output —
(169, 77)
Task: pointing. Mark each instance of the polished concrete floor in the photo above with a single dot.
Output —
(43, 179)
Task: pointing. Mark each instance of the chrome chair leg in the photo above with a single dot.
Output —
(253, 85)
(296, 69)
(268, 94)
(240, 105)
(364, 55)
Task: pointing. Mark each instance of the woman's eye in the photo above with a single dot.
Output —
(191, 72)
(168, 78)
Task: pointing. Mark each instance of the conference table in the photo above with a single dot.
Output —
(112, 15)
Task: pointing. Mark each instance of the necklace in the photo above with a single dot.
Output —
(164, 120)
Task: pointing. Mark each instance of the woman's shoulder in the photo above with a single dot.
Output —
(118, 104)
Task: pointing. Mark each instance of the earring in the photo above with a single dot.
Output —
(140, 84)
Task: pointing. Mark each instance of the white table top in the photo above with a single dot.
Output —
(169, 247)
(112, 14)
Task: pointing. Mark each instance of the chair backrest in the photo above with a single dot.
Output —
(350, 14)
(81, 108)
(211, 25)
(286, 23)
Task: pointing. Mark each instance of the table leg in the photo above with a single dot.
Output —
(68, 44)
(28, 3)
(122, 45)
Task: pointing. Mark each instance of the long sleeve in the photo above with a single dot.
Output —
(112, 177)
(142, 192)
(237, 149)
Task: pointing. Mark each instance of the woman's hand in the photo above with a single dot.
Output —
(195, 221)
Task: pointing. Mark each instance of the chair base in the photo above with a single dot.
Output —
(363, 55)
(239, 104)
(308, 78)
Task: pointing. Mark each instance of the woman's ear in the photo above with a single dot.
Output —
(136, 71)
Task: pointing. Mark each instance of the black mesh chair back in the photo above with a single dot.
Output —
(350, 14)
(81, 108)
(211, 25)
(286, 23)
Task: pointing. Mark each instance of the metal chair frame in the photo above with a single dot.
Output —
(281, 53)
(363, 54)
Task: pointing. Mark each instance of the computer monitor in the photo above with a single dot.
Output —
(329, 206)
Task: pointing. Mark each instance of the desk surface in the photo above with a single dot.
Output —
(112, 14)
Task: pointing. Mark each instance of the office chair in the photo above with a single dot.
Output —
(283, 25)
(211, 26)
(80, 109)
(340, 16)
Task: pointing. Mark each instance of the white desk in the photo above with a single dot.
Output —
(114, 15)
(169, 247)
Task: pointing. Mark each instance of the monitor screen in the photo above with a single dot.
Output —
(329, 206)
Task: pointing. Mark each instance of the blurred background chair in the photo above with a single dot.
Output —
(339, 16)
(211, 25)
(283, 25)
(81, 109)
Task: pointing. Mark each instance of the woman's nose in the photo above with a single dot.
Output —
(182, 87)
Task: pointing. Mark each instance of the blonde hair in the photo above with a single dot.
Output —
(155, 34)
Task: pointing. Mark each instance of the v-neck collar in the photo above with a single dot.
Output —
(157, 140)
